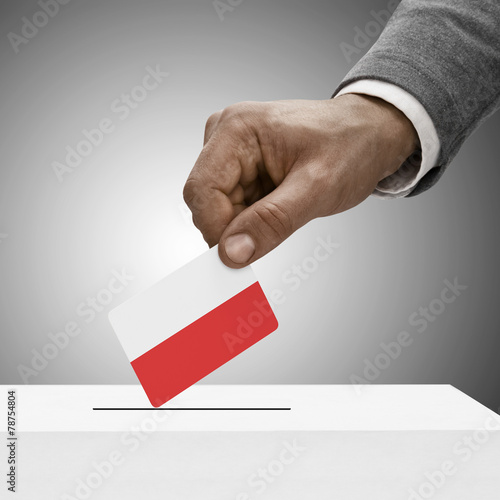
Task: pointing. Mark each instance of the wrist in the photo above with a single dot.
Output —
(391, 128)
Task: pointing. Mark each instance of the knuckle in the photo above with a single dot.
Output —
(189, 191)
(238, 113)
(212, 121)
(198, 195)
(214, 118)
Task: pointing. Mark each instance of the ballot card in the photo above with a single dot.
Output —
(190, 323)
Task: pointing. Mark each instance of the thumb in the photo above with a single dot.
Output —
(267, 223)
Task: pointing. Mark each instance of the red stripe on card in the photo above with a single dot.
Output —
(200, 348)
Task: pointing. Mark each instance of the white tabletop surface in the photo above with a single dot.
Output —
(67, 408)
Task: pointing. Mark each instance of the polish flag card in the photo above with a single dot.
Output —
(191, 323)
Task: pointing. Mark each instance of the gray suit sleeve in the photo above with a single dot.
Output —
(446, 53)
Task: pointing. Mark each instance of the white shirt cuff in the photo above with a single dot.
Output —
(404, 180)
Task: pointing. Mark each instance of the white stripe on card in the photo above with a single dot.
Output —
(147, 319)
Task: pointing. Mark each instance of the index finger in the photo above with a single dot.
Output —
(212, 191)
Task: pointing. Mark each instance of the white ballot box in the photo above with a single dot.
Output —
(290, 442)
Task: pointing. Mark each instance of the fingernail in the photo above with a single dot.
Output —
(240, 248)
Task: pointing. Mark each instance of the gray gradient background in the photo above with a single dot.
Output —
(122, 207)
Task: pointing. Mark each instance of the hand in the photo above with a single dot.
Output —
(266, 169)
